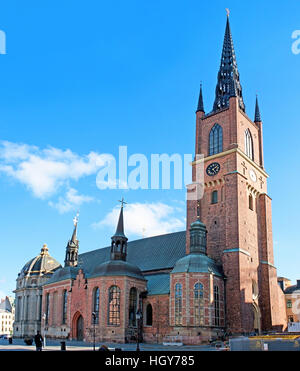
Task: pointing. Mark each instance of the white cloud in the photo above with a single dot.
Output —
(45, 171)
(71, 201)
(146, 219)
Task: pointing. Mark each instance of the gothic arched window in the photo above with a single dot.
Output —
(250, 202)
(249, 144)
(64, 306)
(214, 197)
(149, 315)
(217, 305)
(132, 306)
(96, 295)
(199, 304)
(178, 304)
(215, 140)
(114, 297)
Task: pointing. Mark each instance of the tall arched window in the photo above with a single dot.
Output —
(132, 306)
(114, 296)
(149, 315)
(178, 304)
(250, 202)
(199, 304)
(214, 197)
(215, 140)
(96, 295)
(54, 308)
(249, 144)
(217, 305)
(64, 306)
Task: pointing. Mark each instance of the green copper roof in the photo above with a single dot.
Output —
(158, 284)
(148, 254)
(152, 253)
(117, 268)
(197, 263)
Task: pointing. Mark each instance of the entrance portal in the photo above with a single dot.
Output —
(79, 328)
(256, 319)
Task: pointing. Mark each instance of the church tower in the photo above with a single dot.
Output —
(235, 207)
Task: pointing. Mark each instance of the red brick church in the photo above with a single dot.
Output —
(216, 277)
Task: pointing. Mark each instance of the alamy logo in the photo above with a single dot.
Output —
(2, 42)
(296, 43)
(139, 172)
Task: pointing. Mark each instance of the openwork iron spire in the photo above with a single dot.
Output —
(228, 84)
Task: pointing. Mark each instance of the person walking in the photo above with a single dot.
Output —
(103, 348)
(38, 339)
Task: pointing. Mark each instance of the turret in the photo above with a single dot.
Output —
(119, 240)
(71, 258)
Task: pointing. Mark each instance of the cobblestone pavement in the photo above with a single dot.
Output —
(51, 345)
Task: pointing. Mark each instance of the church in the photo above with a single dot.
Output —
(216, 278)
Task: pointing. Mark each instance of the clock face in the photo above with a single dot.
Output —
(213, 169)
(252, 175)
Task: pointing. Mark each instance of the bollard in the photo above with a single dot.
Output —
(62, 345)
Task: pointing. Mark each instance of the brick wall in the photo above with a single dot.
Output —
(239, 238)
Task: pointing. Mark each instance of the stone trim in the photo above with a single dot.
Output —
(237, 250)
(266, 262)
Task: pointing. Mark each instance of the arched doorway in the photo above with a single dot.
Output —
(256, 318)
(78, 327)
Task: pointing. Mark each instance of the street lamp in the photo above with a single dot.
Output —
(138, 317)
(94, 322)
(44, 320)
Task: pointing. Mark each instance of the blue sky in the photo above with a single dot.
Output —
(83, 78)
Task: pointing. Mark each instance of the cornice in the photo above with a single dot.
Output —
(229, 151)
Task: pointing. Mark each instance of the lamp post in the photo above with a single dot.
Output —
(44, 320)
(138, 317)
(94, 322)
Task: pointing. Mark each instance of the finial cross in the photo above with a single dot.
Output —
(122, 202)
(75, 220)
